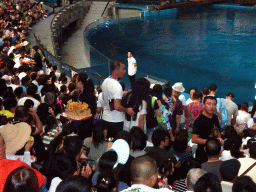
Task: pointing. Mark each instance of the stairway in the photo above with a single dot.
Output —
(73, 51)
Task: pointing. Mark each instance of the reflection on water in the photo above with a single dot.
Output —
(198, 48)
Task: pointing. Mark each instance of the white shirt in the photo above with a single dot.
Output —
(143, 188)
(132, 66)
(22, 101)
(184, 103)
(244, 118)
(189, 101)
(111, 89)
(142, 111)
(100, 102)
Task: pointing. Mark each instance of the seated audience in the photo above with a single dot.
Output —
(244, 184)
(208, 183)
(75, 184)
(229, 173)
(144, 175)
(192, 177)
(22, 179)
(213, 151)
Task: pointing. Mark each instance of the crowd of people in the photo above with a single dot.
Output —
(147, 138)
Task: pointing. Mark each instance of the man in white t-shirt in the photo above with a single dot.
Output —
(132, 68)
(144, 175)
(112, 93)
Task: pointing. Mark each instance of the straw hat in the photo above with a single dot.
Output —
(178, 87)
(15, 136)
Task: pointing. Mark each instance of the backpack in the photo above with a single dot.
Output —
(165, 113)
(224, 114)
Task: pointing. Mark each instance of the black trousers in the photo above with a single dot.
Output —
(132, 80)
(113, 128)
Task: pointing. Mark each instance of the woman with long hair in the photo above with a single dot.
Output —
(136, 99)
(96, 145)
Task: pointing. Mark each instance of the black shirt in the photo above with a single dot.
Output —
(205, 127)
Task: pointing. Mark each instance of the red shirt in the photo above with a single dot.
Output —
(7, 166)
(194, 110)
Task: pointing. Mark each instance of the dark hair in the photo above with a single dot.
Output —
(50, 121)
(35, 48)
(21, 112)
(187, 165)
(181, 140)
(213, 147)
(193, 88)
(33, 76)
(75, 184)
(72, 145)
(31, 90)
(139, 138)
(212, 87)
(244, 184)
(22, 179)
(208, 183)
(209, 97)
(25, 79)
(205, 91)
(63, 88)
(167, 90)
(107, 161)
(139, 92)
(29, 103)
(98, 135)
(54, 67)
(10, 103)
(64, 166)
(244, 106)
(106, 182)
(115, 65)
(9, 95)
(42, 112)
(158, 136)
(197, 95)
(71, 87)
(235, 143)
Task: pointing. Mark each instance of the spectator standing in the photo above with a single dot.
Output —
(205, 126)
(232, 109)
(112, 92)
(132, 68)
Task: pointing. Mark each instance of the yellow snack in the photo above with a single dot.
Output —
(31, 138)
(77, 110)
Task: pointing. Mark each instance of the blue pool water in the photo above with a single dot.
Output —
(200, 47)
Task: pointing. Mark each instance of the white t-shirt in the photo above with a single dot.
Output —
(189, 101)
(132, 66)
(111, 89)
(244, 118)
(100, 102)
(143, 188)
(22, 101)
(184, 103)
(142, 111)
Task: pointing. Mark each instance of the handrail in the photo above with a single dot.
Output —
(105, 8)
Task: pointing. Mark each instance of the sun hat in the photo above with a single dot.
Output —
(178, 87)
(122, 149)
(15, 136)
